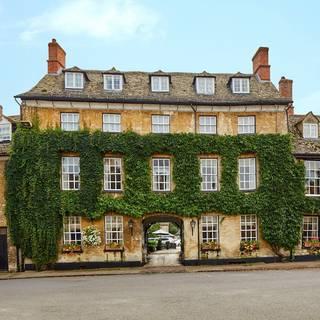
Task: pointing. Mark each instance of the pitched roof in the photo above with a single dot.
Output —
(136, 89)
(303, 146)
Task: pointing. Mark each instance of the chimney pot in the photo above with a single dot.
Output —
(57, 57)
(260, 64)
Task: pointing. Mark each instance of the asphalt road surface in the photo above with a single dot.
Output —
(223, 295)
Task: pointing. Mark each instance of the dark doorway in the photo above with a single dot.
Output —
(162, 247)
(3, 249)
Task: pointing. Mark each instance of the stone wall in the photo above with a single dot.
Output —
(138, 119)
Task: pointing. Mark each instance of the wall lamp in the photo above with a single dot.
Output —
(130, 225)
(192, 224)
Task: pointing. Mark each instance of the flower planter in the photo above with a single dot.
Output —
(311, 244)
(210, 246)
(248, 248)
(113, 248)
(72, 249)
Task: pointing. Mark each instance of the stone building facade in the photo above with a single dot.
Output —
(161, 102)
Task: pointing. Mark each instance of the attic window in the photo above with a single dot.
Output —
(310, 130)
(160, 84)
(5, 132)
(240, 85)
(113, 82)
(73, 80)
(205, 85)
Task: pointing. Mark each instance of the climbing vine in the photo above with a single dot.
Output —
(36, 204)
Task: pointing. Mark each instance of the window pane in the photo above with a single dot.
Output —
(160, 123)
(248, 227)
(72, 230)
(161, 174)
(208, 170)
(209, 227)
(114, 229)
(208, 124)
(312, 177)
(111, 122)
(247, 174)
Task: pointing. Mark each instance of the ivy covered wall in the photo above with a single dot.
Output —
(36, 205)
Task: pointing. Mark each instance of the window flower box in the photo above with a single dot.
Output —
(113, 247)
(249, 247)
(210, 246)
(313, 246)
(72, 248)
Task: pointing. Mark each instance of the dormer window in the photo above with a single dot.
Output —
(205, 85)
(5, 131)
(240, 85)
(310, 130)
(113, 82)
(160, 84)
(73, 80)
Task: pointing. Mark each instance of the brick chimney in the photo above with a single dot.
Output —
(57, 57)
(285, 88)
(260, 63)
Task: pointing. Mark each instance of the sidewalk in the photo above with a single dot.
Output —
(164, 269)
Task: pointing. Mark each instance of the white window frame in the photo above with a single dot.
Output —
(112, 174)
(5, 131)
(160, 84)
(240, 85)
(248, 227)
(111, 122)
(310, 229)
(209, 174)
(161, 174)
(209, 228)
(72, 229)
(208, 124)
(70, 176)
(312, 173)
(70, 121)
(247, 174)
(73, 80)
(116, 83)
(113, 226)
(205, 85)
(246, 124)
(310, 130)
(160, 123)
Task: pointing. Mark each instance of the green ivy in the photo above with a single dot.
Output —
(36, 205)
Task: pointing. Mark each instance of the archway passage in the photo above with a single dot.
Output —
(163, 240)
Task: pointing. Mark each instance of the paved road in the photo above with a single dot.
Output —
(229, 296)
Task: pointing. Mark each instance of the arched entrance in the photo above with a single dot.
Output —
(168, 249)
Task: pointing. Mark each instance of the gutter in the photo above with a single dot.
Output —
(156, 101)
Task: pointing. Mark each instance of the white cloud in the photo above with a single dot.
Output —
(94, 18)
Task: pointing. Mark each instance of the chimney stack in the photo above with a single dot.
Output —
(57, 57)
(260, 63)
(285, 88)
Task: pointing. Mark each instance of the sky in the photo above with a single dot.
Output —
(171, 35)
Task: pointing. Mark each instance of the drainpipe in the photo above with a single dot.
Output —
(198, 238)
(195, 117)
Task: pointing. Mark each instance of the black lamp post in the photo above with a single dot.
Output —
(130, 225)
(192, 224)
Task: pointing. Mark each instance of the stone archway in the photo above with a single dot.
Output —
(151, 219)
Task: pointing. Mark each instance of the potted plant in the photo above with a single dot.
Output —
(91, 236)
(248, 247)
